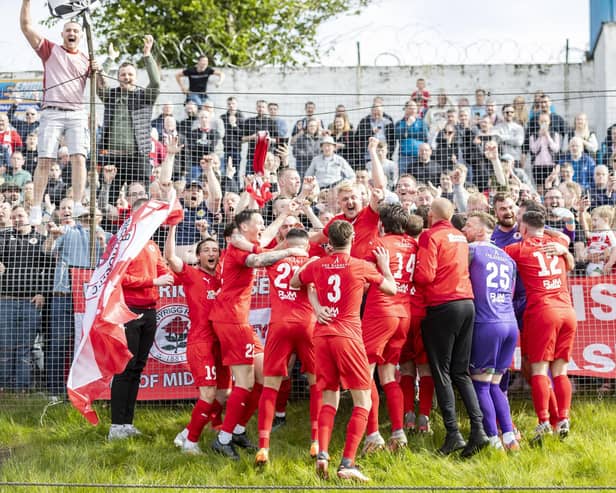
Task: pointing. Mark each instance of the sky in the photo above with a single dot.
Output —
(401, 32)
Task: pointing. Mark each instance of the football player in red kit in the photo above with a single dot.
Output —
(340, 356)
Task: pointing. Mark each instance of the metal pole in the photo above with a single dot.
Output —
(93, 153)
(567, 52)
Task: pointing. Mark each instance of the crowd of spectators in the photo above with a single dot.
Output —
(432, 146)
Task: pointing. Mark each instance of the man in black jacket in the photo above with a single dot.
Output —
(126, 124)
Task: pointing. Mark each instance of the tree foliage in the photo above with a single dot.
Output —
(231, 32)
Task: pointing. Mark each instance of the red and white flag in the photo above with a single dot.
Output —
(103, 350)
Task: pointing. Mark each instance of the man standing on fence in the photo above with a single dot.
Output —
(65, 72)
(549, 319)
(126, 124)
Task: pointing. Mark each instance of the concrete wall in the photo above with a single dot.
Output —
(355, 87)
(568, 85)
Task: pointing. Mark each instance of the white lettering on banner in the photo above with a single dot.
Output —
(171, 291)
(603, 294)
(577, 296)
(260, 286)
(596, 354)
(178, 379)
(572, 366)
(597, 293)
(148, 381)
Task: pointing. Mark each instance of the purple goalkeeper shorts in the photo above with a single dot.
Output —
(493, 346)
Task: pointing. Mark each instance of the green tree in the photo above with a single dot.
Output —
(232, 32)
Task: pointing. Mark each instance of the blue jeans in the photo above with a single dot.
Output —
(198, 98)
(59, 347)
(20, 320)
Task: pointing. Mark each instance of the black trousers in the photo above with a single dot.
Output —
(447, 332)
(125, 386)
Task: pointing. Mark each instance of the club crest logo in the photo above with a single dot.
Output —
(171, 334)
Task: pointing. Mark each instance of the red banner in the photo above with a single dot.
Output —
(594, 350)
(166, 376)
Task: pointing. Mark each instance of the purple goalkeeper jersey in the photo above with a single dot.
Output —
(501, 239)
(493, 274)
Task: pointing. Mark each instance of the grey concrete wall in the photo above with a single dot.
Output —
(570, 86)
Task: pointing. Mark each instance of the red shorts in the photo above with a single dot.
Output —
(282, 341)
(413, 349)
(238, 343)
(206, 366)
(341, 361)
(384, 338)
(548, 334)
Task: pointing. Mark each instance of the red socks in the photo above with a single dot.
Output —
(267, 405)
(326, 426)
(395, 404)
(540, 389)
(200, 416)
(373, 416)
(562, 390)
(283, 395)
(426, 393)
(216, 414)
(355, 431)
(315, 408)
(252, 403)
(236, 406)
(407, 385)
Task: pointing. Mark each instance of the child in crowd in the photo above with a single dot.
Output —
(601, 242)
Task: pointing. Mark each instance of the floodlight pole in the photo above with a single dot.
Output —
(92, 125)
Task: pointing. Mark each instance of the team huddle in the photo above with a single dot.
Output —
(443, 305)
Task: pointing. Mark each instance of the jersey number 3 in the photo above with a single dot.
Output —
(333, 295)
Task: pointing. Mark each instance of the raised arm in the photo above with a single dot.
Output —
(175, 263)
(272, 230)
(221, 77)
(150, 64)
(379, 180)
(214, 191)
(25, 22)
(166, 167)
(179, 78)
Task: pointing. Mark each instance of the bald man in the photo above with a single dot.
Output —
(447, 330)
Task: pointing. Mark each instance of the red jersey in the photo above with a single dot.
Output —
(544, 277)
(288, 305)
(366, 227)
(402, 252)
(11, 140)
(236, 280)
(200, 290)
(339, 280)
(442, 265)
(138, 280)
(416, 294)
